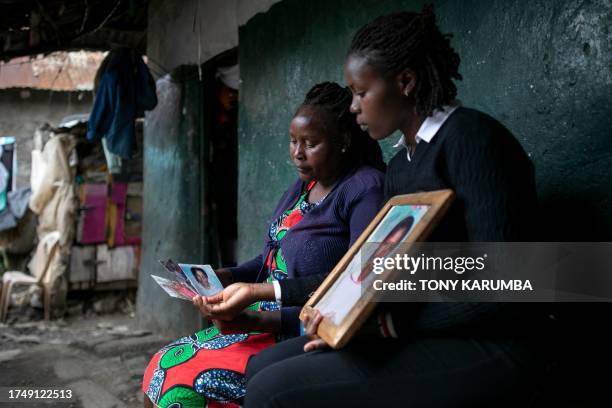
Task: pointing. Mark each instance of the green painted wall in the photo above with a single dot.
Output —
(543, 68)
(173, 210)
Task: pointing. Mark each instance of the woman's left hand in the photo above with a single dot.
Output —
(311, 325)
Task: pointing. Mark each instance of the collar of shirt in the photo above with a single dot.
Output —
(429, 127)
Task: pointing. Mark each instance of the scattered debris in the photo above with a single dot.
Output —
(22, 339)
(8, 355)
(104, 325)
(102, 356)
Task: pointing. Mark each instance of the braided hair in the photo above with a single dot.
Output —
(333, 101)
(408, 40)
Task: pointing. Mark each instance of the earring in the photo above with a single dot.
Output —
(343, 150)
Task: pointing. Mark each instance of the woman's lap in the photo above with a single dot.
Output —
(204, 367)
(418, 373)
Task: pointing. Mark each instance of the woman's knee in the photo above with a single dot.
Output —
(265, 389)
(259, 362)
(272, 355)
(256, 393)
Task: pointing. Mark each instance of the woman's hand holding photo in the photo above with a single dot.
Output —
(227, 304)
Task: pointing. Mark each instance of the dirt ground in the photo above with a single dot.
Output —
(100, 358)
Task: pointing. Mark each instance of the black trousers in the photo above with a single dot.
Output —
(423, 372)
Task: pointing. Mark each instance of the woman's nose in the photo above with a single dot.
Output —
(298, 152)
(354, 108)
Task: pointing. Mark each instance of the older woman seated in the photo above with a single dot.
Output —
(338, 192)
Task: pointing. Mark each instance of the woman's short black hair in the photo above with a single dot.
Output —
(408, 40)
(334, 102)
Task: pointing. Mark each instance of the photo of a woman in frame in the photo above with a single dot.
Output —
(386, 247)
(395, 227)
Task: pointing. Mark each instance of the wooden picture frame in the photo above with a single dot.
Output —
(403, 220)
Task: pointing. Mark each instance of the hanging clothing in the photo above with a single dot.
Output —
(19, 200)
(4, 180)
(113, 161)
(7, 169)
(207, 369)
(8, 157)
(15, 208)
(54, 198)
(126, 89)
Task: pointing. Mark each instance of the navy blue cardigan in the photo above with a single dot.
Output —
(316, 244)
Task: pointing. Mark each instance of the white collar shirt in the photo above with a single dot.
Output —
(429, 127)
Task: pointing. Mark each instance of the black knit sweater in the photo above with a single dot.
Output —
(494, 184)
(485, 165)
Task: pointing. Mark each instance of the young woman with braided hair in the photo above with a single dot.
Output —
(338, 192)
(401, 68)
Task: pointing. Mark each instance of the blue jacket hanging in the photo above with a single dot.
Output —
(126, 88)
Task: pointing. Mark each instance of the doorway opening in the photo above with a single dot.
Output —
(220, 78)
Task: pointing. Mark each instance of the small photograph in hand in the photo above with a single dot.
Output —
(176, 271)
(189, 280)
(202, 278)
(174, 288)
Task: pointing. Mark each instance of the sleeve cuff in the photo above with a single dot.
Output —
(385, 324)
(277, 292)
(240, 275)
(290, 321)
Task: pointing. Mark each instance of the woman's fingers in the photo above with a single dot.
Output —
(219, 311)
(316, 344)
(216, 298)
(198, 301)
(311, 325)
(207, 310)
(226, 304)
(204, 309)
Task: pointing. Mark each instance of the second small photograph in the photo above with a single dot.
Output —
(202, 278)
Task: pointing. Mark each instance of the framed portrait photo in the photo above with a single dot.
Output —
(345, 298)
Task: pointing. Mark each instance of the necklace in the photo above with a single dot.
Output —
(305, 206)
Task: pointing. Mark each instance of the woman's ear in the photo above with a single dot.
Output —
(406, 81)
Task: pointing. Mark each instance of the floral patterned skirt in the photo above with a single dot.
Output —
(203, 370)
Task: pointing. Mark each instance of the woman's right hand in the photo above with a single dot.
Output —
(232, 300)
